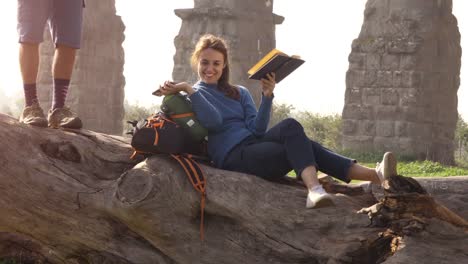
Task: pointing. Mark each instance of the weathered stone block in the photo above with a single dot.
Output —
(386, 143)
(403, 45)
(411, 79)
(441, 132)
(385, 128)
(389, 96)
(411, 113)
(390, 62)
(420, 130)
(405, 145)
(373, 61)
(409, 97)
(446, 82)
(431, 82)
(353, 96)
(408, 62)
(370, 78)
(446, 113)
(387, 113)
(401, 129)
(369, 45)
(367, 128)
(349, 127)
(355, 78)
(358, 143)
(357, 61)
(359, 112)
(384, 79)
(397, 75)
(371, 96)
(356, 46)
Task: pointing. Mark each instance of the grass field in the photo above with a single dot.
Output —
(411, 168)
(426, 169)
(421, 169)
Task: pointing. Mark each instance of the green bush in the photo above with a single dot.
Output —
(325, 129)
(280, 112)
(461, 142)
(7, 261)
(429, 168)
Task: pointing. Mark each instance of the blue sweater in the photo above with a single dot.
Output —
(228, 121)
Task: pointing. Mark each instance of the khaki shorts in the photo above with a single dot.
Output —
(65, 19)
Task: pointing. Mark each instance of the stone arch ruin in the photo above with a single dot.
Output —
(402, 82)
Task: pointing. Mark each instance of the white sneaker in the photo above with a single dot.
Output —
(318, 197)
(387, 168)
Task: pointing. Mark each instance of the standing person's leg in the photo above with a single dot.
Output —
(62, 68)
(29, 65)
(32, 17)
(66, 26)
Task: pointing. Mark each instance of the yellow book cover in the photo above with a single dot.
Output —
(275, 61)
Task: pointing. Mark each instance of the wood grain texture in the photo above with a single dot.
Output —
(76, 197)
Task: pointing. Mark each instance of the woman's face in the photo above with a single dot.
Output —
(210, 65)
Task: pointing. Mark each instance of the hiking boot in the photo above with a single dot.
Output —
(33, 115)
(64, 117)
(318, 197)
(387, 168)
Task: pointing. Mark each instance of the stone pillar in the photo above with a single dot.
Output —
(247, 25)
(402, 82)
(96, 91)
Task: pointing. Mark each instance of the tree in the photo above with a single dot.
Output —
(324, 129)
(280, 112)
(461, 138)
(74, 196)
(137, 112)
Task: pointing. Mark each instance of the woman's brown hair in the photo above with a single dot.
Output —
(210, 41)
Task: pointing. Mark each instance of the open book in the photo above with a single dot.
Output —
(275, 61)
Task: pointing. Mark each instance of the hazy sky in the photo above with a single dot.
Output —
(320, 32)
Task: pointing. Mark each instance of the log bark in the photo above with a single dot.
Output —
(74, 196)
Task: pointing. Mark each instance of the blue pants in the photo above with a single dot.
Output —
(285, 147)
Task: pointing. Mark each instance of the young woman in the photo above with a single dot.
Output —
(238, 136)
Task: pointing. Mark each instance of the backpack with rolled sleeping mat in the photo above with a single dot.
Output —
(177, 132)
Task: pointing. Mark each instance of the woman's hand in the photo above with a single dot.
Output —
(172, 88)
(268, 84)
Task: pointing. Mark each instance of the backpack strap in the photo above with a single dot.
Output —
(138, 152)
(197, 178)
(182, 115)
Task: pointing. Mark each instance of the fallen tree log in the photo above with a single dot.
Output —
(74, 196)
